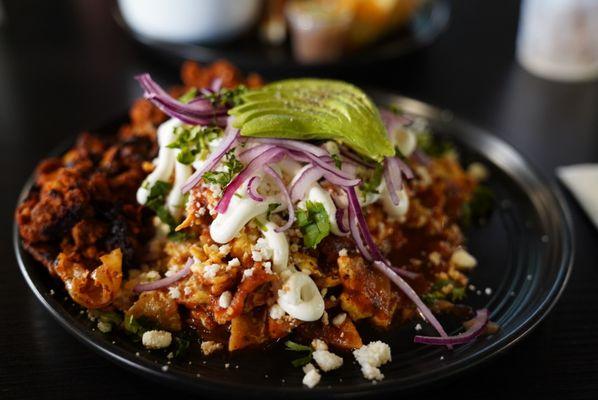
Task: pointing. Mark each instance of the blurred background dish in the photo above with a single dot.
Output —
(190, 21)
(288, 34)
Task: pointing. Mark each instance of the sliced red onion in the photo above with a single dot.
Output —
(230, 136)
(341, 220)
(479, 323)
(405, 273)
(404, 168)
(409, 292)
(295, 145)
(303, 181)
(165, 282)
(283, 190)
(355, 158)
(330, 172)
(272, 155)
(254, 183)
(195, 112)
(247, 155)
(393, 179)
(362, 224)
(356, 233)
(394, 169)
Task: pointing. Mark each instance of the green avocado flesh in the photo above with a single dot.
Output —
(314, 109)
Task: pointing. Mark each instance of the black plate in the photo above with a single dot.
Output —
(525, 256)
(249, 52)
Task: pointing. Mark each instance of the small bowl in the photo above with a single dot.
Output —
(190, 21)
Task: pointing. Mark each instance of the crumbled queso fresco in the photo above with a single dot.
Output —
(156, 339)
(371, 357)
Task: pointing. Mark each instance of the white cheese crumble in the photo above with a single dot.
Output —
(234, 263)
(261, 250)
(156, 339)
(339, 319)
(462, 259)
(372, 373)
(104, 327)
(225, 299)
(311, 378)
(418, 327)
(276, 312)
(319, 344)
(488, 291)
(208, 347)
(210, 271)
(372, 356)
(326, 360)
(247, 274)
(174, 292)
(224, 249)
(343, 253)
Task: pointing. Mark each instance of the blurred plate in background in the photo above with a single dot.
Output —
(249, 52)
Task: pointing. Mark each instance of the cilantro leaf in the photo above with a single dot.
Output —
(299, 362)
(314, 223)
(371, 184)
(232, 167)
(188, 96)
(227, 97)
(193, 141)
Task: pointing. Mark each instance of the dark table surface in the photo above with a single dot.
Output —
(66, 66)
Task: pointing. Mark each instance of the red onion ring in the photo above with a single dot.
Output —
(283, 189)
(393, 179)
(165, 282)
(295, 145)
(340, 221)
(272, 155)
(405, 273)
(247, 155)
(409, 292)
(355, 158)
(479, 323)
(303, 181)
(230, 136)
(252, 186)
(195, 112)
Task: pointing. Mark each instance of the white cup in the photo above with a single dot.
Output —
(185, 21)
(558, 39)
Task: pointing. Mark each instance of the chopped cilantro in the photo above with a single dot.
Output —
(299, 362)
(193, 141)
(233, 167)
(314, 223)
(179, 236)
(188, 96)
(133, 326)
(371, 184)
(436, 293)
(156, 201)
(337, 160)
(228, 97)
